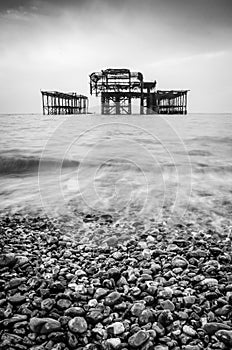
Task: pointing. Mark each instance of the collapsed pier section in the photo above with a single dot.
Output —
(55, 103)
(171, 102)
(119, 87)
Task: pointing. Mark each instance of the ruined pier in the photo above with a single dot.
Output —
(119, 87)
(55, 102)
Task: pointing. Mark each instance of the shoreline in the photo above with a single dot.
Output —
(157, 288)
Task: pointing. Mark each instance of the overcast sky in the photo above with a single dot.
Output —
(55, 45)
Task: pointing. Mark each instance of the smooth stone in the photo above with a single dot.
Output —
(192, 347)
(113, 298)
(22, 260)
(92, 303)
(199, 253)
(179, 261)
(47, 304)
(44, 325)
(112, 241)
(167, 292)
(17, 299)
(147, 253)
(161, 347)
(15, 282)
(137, 309)
(225, 336)
(72, 340)
(113, 343)
(146, 316)
(122, 281)
(189, 331)
(100, 293)
(138, 339)
(15, 319)
(177, 270)
(212, 327)
(168, 305)
(78, 325)
(209, 282)
(165, 318)
(150, 239)
(189, 300)
(74, 311)
(223, 311)
(116, 328)
(63, 304)
(7, 259)
(114, 272)
(117, 256)
(94, 316)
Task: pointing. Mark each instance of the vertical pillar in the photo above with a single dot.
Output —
(102, 103)
(43, 103)
(182, 104)
(129, 105)
(48, 107)
(141, 104)
(54, 109)
(117, 104)
(185, 111)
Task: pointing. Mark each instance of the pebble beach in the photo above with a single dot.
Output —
(163, 287)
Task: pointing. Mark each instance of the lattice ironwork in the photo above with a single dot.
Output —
(55, 102)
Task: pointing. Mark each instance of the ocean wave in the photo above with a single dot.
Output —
(199, 152)
(213, 139)
(30, 164)
(207, 168)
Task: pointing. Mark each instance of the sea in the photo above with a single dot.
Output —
(136, 167)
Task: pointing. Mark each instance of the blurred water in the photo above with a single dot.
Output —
(130, 165)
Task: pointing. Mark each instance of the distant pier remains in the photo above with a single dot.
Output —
(55, 102)
(118, 87)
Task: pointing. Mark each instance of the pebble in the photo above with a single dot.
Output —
(225, 336)
(137, 308)
(63, 304)
(7, 260)
(189, 331)
(74, 311)
(94, 316)
(15, 282)
(116, 328)
(179, 262)
(44, 325)
(22, 260)
(189, 300)
(209, 282)
(138, 339)
(17, 299)
(212, 327)
(113, 298)
(47, 304)
(113, 343)
(162, 288)
(168, 305)
(78, 325)
(100, 293)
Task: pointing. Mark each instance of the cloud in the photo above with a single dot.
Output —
(57, 44)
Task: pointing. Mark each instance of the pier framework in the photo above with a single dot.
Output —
(55, 102)
(118, 87)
